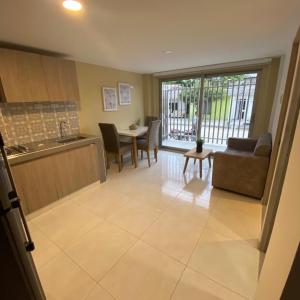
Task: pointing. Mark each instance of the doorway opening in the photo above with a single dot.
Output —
(212, 108)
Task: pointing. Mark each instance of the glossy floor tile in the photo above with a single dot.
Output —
(45, 249)
(149, 233)
(174, 236)
(195, 286)
(135, 217)
(63, 279)
(66, 223)
(102, 200)
(100, 249)
(232, 263)
(143, 273)
(98, 293)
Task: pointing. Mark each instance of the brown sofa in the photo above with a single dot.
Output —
(243, 167)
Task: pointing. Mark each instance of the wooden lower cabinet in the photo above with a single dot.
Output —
(44, 180)
(35, 183)
(76, 168)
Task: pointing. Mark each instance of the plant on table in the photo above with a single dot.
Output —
(199, 147)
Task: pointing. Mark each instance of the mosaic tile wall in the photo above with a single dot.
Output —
(22, 123)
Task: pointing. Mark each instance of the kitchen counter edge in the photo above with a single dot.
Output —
(88, 139)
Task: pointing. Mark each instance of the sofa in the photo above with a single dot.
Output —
(243, 166)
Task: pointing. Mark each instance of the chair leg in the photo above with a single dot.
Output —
(119, 158)
(107, 160)
(132, 160)
(155, 153)
(148, 156)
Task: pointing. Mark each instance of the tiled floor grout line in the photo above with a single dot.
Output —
(98, 285)
(217, 282)
(66, 254)
(178, 281)
(139, 238)
(117, 261)
(189, 266)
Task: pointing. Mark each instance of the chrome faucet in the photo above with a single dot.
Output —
(62, 128)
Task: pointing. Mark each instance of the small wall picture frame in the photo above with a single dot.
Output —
(124, 93)
(110, 100)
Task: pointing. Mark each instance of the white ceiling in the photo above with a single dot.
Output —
(132, 34)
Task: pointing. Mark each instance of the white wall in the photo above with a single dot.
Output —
(286, 232)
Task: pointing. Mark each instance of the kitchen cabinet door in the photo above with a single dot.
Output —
(35, 183)
(22, 77)
(76, 168)
(70, 79)
(61, 79)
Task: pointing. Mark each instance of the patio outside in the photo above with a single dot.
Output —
(212, 108)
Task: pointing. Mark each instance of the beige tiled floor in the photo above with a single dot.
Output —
(149, 233)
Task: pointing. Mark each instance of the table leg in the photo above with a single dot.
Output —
(186, 163)
(134, 151)
(209, 160)
(200, 167)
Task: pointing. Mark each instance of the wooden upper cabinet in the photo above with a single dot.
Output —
(29, 77)
(61, 79)
(22, 77)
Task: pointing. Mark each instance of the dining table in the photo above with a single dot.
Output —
(133, 134)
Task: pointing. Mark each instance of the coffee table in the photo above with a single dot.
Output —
(206, 153)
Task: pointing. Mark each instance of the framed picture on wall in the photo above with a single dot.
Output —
(124, 93)
(110, 101)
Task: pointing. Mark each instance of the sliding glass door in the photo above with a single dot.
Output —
(212, 108)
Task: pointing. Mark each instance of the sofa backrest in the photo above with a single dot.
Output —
(264, 145)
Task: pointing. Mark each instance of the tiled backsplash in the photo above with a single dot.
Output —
(22, 123)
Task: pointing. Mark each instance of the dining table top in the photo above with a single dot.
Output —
(141, 130)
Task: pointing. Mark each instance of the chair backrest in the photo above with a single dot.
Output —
(110, 137)
(153, 134)
(264, 145)
(149, 119)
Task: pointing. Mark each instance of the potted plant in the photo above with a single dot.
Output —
(199, 147)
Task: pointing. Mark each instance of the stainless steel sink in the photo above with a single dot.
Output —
(70, 139)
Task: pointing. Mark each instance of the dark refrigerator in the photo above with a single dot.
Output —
(18, 275)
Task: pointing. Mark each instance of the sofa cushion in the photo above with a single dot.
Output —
(264, 145)
(238, 152)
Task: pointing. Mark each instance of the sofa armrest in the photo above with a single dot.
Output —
(242, 144)
(245, 174)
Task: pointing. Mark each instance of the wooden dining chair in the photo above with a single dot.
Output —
(149, 119)
(113, 146)
(151, 142)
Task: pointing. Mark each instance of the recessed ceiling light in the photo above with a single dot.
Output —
(72, 5)
(167, 51)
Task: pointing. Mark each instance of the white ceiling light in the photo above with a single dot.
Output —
(72, 5)
(167, 51)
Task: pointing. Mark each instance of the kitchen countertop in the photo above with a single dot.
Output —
(49, 147)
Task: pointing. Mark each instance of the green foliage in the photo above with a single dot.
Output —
(220, 110)
(215, 94)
